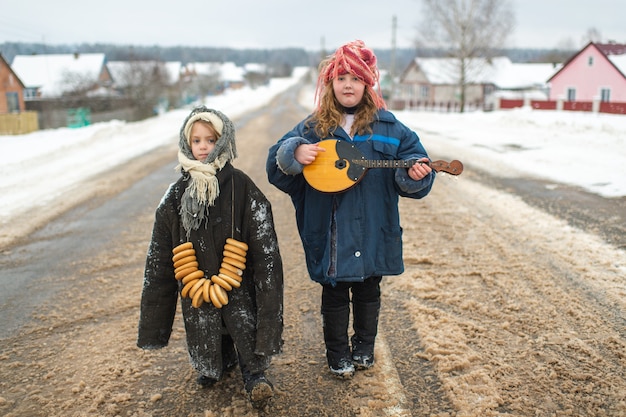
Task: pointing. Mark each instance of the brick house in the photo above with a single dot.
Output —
(11, 89)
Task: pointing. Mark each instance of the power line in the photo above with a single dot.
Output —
(13, 29)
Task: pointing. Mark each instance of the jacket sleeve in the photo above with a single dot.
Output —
(283, 171)
(286, 155)
(411, 148)
(408, 187)
(268, 273)
(160, 290)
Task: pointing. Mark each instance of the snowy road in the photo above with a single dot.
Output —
(503, 310)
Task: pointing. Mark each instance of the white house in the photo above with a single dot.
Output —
(53, 75)
(428, 81)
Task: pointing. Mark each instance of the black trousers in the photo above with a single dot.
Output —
(365, 298)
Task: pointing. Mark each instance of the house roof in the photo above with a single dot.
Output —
(613, 52)
(174, 69)
(499, 71)
(255, 67)
(524, 75)
(226, 71)
(612, 48)
(619, 61)
(203, 68)
(12, 71)
(49, 73)
(121, 71)
(231, 72)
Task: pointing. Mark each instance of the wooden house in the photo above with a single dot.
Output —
(435, 82)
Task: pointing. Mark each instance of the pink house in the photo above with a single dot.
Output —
(597, 73)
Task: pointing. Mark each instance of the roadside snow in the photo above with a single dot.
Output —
(574, 148)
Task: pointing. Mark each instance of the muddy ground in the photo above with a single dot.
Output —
(505, 308)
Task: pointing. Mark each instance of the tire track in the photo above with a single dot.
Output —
(502, 310)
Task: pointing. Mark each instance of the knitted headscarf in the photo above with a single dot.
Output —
(203, 188)
(352, 58)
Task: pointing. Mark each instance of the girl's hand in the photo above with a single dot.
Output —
(306, 153)
(419, 171)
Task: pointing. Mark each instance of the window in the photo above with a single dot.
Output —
(590, 61)
(605, 95)
(571, 94)
(424, 92)
(30, 93)
(13, 102)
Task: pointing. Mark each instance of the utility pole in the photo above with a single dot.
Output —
(392, 65)
(322, 48)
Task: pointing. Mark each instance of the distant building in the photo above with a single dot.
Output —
(72, 90)
(200, 79)
(596, 73)
(256, 74)
(148, 81)
(231, 75)
(11, 89)
(436, 81)
(56, 75)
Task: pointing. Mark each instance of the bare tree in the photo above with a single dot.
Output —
(465, 30)
(77, 84)
(592, 35)
(144, 83)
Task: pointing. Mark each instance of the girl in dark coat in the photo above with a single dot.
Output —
(352, 238)
(210, 203)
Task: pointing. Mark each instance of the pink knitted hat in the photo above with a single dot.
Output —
(357, 59)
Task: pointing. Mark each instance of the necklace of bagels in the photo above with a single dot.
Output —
(202, 290)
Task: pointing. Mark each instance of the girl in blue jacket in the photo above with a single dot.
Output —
(351, 237)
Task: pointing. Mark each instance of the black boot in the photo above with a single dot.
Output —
(365, 325)
(260, 390)
(335, 322)
(206, 381)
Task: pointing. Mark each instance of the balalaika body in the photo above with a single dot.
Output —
(342, 166)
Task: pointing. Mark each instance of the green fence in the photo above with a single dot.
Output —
(78, 117)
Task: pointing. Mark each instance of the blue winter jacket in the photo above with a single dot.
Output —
(352, 235)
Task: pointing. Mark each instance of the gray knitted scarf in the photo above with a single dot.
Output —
(203, 186)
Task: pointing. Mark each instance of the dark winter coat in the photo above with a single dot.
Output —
(368, 237)
(253, 316)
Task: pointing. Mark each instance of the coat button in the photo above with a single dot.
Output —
(357, 254)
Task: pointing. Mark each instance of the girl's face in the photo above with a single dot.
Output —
(348, 89)
(202, 140)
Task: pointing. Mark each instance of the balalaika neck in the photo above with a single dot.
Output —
(386, 163)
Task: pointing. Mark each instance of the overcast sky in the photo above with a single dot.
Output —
(284, 23)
